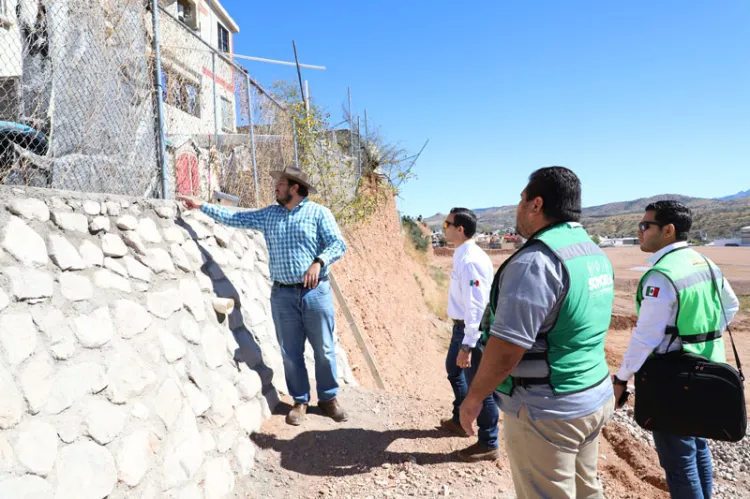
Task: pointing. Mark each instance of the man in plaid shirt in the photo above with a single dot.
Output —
(303, 241)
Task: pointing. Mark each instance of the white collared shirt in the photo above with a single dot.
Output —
(659, 311)
(469, 291)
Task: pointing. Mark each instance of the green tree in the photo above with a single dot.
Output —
(416, 236)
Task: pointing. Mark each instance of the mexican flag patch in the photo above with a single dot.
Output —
(473, 284)
(652, 291)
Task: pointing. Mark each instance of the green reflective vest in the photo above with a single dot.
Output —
(575, 344)
(698, 302)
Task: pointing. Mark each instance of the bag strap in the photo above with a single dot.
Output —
(726, 321)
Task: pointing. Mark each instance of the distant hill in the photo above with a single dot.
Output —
(717, 218)
(635, 206)
(499, 217)
(741, 194)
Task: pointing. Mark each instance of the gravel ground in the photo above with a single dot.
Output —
(731, 460)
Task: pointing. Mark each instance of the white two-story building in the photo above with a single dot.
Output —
(189, 66)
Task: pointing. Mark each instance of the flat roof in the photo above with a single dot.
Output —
(221, 12)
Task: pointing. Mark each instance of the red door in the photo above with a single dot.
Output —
(188, 181)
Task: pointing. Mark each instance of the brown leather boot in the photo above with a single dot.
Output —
(453, 427)
(333, 410)
(296, 414)
(478, 452)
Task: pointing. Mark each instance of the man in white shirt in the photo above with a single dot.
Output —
(468, 296)
(664, 309)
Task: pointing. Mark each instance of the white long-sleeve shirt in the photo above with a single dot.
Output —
(469, 291)
(659, 310)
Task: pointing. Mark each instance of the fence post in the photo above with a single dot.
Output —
(359, 149)
(216, 119)
(294, 129)
(351, 124)
(162, 143)
(252, 137)
(367, 133)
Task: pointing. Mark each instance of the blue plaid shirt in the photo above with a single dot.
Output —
(294, 238)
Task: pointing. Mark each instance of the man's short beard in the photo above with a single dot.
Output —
(285, 200)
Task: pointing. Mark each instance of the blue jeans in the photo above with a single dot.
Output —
(299, 315)
(460, 380)
(687, 463)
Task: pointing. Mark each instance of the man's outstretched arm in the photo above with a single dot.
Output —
(254, 220)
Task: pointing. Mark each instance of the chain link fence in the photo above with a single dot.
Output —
(266, 140)
(79, 103)
(224, 133)
(77, 108)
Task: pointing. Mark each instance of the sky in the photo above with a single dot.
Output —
(638, 97)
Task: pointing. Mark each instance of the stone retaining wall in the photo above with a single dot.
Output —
(117, 377)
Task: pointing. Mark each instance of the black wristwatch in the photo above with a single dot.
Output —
(465, 348)
(318, 260)
(618, 381)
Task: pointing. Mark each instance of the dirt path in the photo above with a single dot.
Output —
(390, 447)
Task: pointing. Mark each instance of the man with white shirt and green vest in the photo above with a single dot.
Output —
(678, 308)
(544, 329)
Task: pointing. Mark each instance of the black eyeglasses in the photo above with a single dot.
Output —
(643, 226)
(447, 224)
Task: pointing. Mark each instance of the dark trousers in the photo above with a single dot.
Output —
(460, 379)
(687, 464)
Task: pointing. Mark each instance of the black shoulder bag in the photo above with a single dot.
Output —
(684, 394)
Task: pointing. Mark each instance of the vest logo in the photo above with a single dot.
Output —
(600, 281)
(597, 279)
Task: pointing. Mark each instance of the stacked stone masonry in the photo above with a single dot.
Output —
(117, 377)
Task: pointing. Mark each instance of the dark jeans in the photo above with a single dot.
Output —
(460, 380)
(687, 463)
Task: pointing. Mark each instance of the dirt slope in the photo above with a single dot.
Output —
(385, 290)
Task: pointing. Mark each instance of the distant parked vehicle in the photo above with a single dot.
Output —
(618, 242)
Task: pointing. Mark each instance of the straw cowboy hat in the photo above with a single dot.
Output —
(297, 175)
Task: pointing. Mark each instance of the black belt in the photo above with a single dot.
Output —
(297, 285)
(693, 338)
(458, 322)
(525, 382)
(534, 356)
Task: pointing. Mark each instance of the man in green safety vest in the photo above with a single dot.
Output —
(678, 308)
(549, 311)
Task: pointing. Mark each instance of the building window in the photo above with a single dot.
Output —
(181, 92)
(187, 13)
(223, 39)
(226, 115)
(192, 102)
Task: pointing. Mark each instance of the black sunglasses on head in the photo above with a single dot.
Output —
(643, 226)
